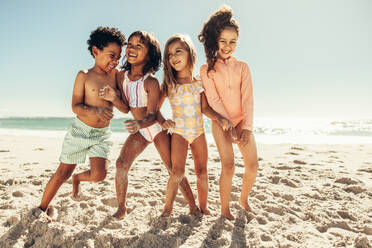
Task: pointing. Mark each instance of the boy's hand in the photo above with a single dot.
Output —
(132, 126)
(104, 114)
(225, 124)
(244, 137)
(168, 124)
(107, 93)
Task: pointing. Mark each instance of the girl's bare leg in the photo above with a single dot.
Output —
(162, 143)
(225, 149)
(97, 172)
(63, 173)
(178, 157)
(133, 146)
(249, 152)
(199, 152)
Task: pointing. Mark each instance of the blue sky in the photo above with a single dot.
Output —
(309, 59)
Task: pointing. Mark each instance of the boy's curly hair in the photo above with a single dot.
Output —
(212, 29)
(154, 52)
(104, 35)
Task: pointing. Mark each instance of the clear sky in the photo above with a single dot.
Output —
(309, 59)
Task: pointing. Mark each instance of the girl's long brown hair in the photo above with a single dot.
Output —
(170, 74)
(212, 29)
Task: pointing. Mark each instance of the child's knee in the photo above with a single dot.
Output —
(201, 171)
(251, 166)
(63, 175)
(178, 173)
(228, 169)
(122, 165)
(98, 176)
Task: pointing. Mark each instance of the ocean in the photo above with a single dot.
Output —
(266, 130)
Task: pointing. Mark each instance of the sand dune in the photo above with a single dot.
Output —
(304, 196)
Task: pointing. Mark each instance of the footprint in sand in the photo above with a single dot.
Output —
(265, 237)
(287, 197)
(110, 202)
(17, 194)
(275, 179)
(346, 180)
(346, 215)
(261, 220)
(297, 148)
(299, 161)
(37, 182)
(355, 189)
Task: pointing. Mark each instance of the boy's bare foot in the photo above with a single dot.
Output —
(228, 215)
(75, 188)
(245, 205)
(120, 213)
(48, 215)
(166, 212)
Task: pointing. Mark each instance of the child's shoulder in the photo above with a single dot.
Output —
(82, 75)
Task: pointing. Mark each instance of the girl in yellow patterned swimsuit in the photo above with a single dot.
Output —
(188, 102)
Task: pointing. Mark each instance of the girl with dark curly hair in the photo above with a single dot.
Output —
(140, 90)
(228, 86)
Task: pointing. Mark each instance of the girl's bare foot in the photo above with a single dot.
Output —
(166, 212)
(75, 188)
(194, 210)
(205, 211)
(227, 215)
(120, 213)
(245, 205)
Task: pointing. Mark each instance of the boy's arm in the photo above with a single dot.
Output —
(153, 93)
(78, 105)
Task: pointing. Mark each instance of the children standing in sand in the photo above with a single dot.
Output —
(89, 132)
(141, 90)
(188, 102)
(228, 87)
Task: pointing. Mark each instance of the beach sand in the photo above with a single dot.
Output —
(304, 196)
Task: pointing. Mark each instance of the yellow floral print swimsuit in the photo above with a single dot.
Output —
(186, 107)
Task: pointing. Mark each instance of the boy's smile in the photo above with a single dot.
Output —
(108, 58)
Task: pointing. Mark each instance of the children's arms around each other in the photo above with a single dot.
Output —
(247, 105)
(153, 92)
(115, 95)
(211, 92)
(78, 104)
(226, 124)
(165, 124)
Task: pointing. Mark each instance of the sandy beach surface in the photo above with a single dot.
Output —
(304, 196)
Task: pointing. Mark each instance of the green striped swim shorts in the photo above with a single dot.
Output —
(81, 140)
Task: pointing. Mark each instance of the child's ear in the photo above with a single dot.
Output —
(95, 51)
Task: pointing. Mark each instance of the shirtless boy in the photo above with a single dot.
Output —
(89, 132)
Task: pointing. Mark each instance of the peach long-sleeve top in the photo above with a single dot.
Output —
(229, 90)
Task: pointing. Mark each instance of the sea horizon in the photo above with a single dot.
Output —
(267, 130)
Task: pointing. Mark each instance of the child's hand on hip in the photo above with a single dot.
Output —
(132, 126)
